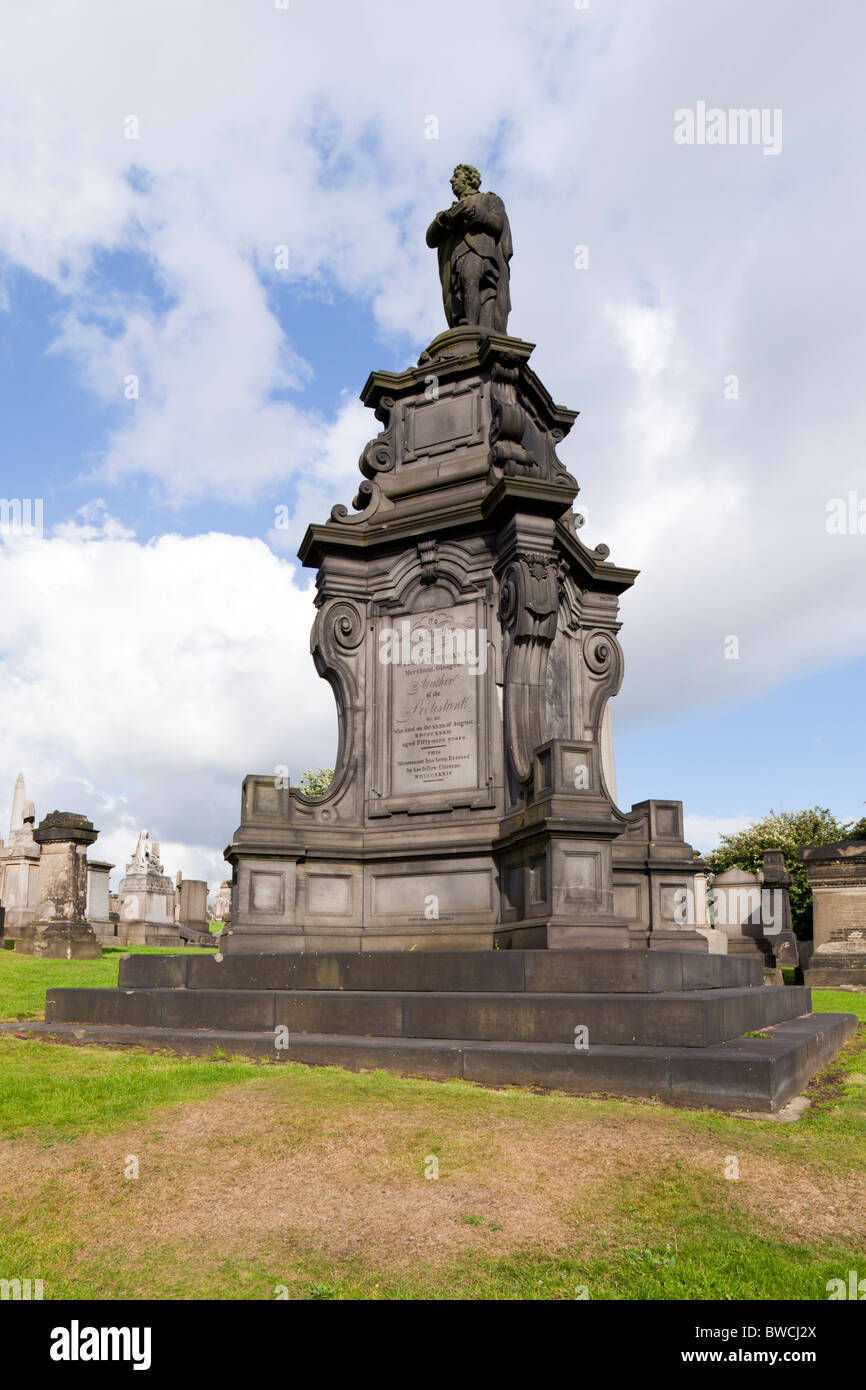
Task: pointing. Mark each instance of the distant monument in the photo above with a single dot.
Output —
(837, 878)
(19, 863)
(193, 922)
(222, 905)
(754, 912)
(99, 913)
(60, 926)
(147, 900)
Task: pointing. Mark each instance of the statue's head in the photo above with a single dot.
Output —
(465, 179)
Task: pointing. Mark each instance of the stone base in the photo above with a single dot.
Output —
(59, 941)
(603, 933)
(147, 934)
(678, 940)
(666, 1024)
(836, 971)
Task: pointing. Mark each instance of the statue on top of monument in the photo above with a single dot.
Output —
(141, 854)
(473, 239)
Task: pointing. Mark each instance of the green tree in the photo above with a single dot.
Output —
(787, 831)
(316, 781)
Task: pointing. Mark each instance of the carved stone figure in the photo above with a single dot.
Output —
(140, 854)
(473, 239)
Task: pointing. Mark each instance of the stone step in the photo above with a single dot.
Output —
(561, 972)
(758, 1074)
(694, 1019)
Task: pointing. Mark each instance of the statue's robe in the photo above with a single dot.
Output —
(487, 237)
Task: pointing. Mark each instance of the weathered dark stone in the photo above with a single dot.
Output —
(695, 1018)
(473, 239)
(759, 1074)
(60, 929)
(641, 972)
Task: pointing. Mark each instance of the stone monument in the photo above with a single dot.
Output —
(147, 900)
(99, 901)
(192, 919)
(473, 239)
(470, 639)
(222, 905)
(754, 912)
(19, 864)
(837, 878)
(60, 927)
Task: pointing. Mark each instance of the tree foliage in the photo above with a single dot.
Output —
(787, 831)
(316, 781)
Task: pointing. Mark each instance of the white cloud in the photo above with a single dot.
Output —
(305, 127)
(139, 683)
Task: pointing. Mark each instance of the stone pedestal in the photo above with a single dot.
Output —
(98, 901)
(659, 881)
(470, 638)
(60, 927)
(837, 877)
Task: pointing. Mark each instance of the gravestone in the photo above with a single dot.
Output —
(147, 900)
(98, 901)
(754, 912)
(193, 920)
(19, 863)
(222, 905)
(60, 927)
(837, 878)
(193, 903)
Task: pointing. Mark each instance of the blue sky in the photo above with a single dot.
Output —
(155, 643)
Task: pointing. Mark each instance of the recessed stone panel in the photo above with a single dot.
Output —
(330, 894)
(450, 894)
(437, 426)
(626, 901)
(267, 892)
(436, 705)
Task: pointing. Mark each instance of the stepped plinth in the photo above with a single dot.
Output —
(663, 1024)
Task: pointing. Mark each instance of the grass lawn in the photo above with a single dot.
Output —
(257, 1178)
(24, 979)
